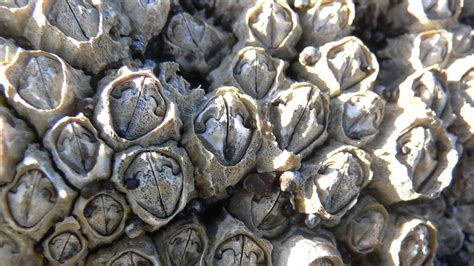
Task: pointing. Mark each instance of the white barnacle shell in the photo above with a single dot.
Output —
(335, 177)
(223, 140)
(17, 249)
(356, 117)
(270, 24)
(102, 216)
(158, 181)
(132, 109)
(37, 198)
(184, 241)
(414, 155)
(136, 251)
(42, 87)
(14, 15)
(78, 151)
(231, 243)
(339, 66)
(66, 245)
(363, 228)
(326, 21)
(14, 140)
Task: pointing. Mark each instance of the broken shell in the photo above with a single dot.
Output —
(300, 118)
(137, 251)
(15, 137)
(339, 66)
(78, 151)
(132, 109)
(66, 246)
(326, 21)
(16, 249)
(272, 25)
(356, 117)
(336, 176)
(42, 87)
(231, 243)
(37, 197)
(300, 246)
(102, 216)
(450, 236)
(182, 242)
(13, 16)
(158, 181)
(195, 44)
(362, 229)
(223, 140)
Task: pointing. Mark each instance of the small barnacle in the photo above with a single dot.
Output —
(433, 48)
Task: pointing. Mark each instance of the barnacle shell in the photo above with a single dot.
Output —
(137, 251)
(42, 87)
(462, 40)
(301, 246)
(270, 24)
(229, 11)
(182, 242)
(14, 139)
(16, 249)
(462, 189)
(231, 243)
(132, 109)
(102, 216)
(8, 50)
(223, 140)
(339, 66)
(78, 151)
(66, 245)
(13, 16)
(37, 197)
(336, 175)
(362, 229)
(326, 21)
(158, 181)
(356, 117)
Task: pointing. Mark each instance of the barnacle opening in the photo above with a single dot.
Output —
(239, 250)
(331, 17)
(104, 214)
(64, 246)
(362, 116)
(439, 9)
(431, 88)
(367, 229)
(267, 211)
(416, 247)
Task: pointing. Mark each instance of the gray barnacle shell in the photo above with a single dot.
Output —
(14, 140)
(231, 243)
(270, 24)
(335, 177)
(462, 40)
(356, 117)
(8, 50)
(102, 216)
(339, 66)
(326, 21)
(363, 228)
(14, 15)
(78, 151)
(66, 245)
(132, 109)
(182, 242)
(37, 197)
(42, 87)
(158, 181)
(137, 251)
(17, 249)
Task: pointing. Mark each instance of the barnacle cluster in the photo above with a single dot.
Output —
(251, 132)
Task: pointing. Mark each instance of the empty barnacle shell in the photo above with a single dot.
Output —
(223, 140)
(132, 109)
(137, 251)
(253, 72)
(195, 44)
(300, 118)
(16, 249)
(343, 65)
(335, 177)
(300, 246)
(272, 25)
(37, 197)
(158, 181)
(231, 243)
(66, 246)
(450, 236)
(326, 21)
(414, 155)
(78, 151)
(42, 87)
(362, 229)
(102, 216)
(14, 139)
(182, 242)
(14, 15)
(356, 117)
